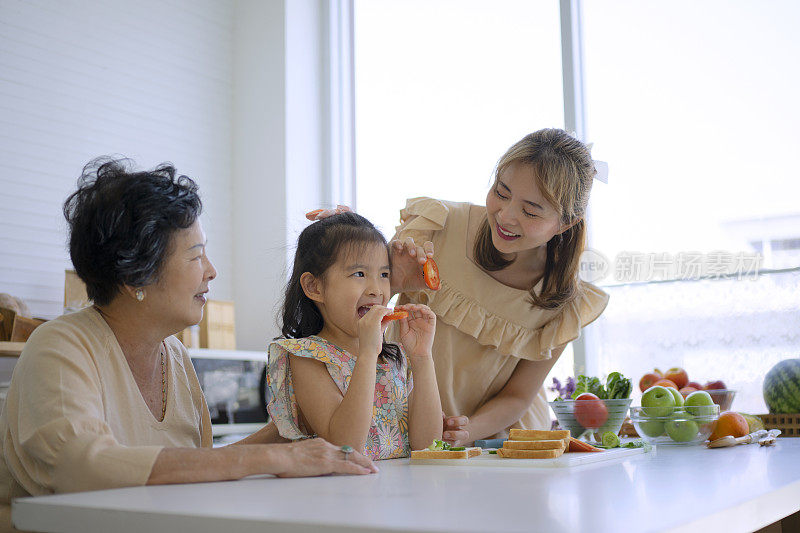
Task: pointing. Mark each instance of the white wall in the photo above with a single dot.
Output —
(149, 79)
(278, 151)
(232, 92)
(259, 148)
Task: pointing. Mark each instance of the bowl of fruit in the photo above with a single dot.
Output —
(594, 409)
(666, 418)
(590, 415)
(678, 379)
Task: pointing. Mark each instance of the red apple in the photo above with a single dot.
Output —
(647, 381)
(687, 390)
(714, 385)
(694, 384)
(678, 376)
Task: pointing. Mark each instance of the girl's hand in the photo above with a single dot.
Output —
(407, 259)
(316, 457)
(370, 331)
(416, 331)
(456, 430)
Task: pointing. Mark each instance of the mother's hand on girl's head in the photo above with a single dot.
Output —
(455, 430)
(407, 258)
(317, 457)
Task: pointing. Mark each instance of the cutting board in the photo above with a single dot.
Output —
(565, 461)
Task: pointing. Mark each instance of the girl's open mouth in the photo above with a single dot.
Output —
(363, 310)
(505, 234)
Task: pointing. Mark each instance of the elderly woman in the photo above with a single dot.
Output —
(106, 397)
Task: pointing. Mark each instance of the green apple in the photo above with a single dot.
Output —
(677, 396)
(657, 401)
(651, 428)
(699, 403)
(681, 427)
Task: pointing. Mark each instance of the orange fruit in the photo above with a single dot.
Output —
(666, 383)
(730, 423)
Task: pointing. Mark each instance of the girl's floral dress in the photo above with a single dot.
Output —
(388, 433)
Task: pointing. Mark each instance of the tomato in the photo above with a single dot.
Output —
(431, 274)
(590, 411)
(394, 315)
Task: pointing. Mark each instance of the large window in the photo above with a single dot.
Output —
(694, 106)
(443, 88)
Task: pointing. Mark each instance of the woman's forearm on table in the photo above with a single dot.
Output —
(496, 415)
(193, 465)
(514, 399)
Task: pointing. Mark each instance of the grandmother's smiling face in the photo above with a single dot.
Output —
(178, 297)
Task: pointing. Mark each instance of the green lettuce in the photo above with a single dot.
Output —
(617, 387)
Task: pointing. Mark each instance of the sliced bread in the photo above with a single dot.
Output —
(446, 454)
(535, 444)
(537, 434)
(529, 454)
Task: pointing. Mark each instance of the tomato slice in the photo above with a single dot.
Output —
(431, 274)
(312, 215)
(394, 315)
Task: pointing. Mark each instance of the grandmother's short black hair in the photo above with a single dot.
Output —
(121, 223)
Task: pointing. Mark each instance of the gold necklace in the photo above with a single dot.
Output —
(163, 387)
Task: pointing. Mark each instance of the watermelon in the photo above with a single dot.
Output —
(782, 387)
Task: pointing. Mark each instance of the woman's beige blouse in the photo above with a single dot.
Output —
(75, 420)
(483, 327)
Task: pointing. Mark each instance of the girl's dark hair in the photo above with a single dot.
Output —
(121, 223)
(319, 246)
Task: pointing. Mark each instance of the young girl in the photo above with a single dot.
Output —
(332, 375)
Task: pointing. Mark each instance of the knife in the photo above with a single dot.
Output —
(730, 440)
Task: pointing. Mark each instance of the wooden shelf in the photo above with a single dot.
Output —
(11, 349)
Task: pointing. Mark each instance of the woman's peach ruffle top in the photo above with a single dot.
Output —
(483, 327)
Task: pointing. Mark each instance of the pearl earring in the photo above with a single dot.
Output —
(139, 294)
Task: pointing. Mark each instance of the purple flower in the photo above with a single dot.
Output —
(564, 391)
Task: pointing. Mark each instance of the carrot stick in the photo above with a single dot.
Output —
(576, 445)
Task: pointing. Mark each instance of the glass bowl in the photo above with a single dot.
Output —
(565, 414)
(722, 397)
(675, 426)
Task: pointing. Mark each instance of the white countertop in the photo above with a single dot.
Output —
(693, 488)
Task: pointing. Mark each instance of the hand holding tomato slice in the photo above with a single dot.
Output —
(416, 332)
(430, 273)
(590, 411)
(394, 315)
(408, 258)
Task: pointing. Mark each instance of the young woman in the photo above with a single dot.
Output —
(510, 297)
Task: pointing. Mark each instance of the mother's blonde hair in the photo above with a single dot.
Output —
(564, 170)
